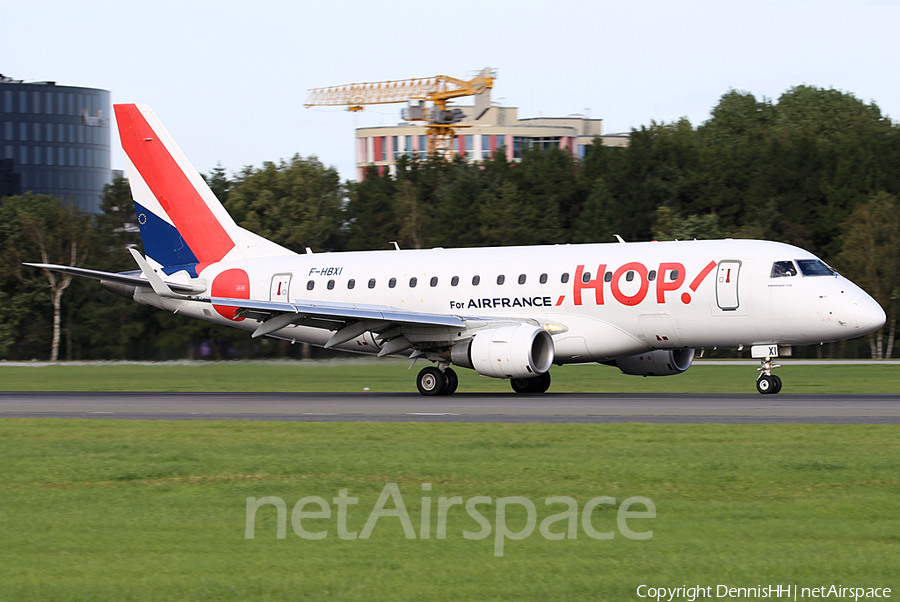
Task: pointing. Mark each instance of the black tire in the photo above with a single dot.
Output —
(538, 384)
(430, 381)
(522, 385)
(542, 383)
(765, 385)
(452, 381)
(777, 389)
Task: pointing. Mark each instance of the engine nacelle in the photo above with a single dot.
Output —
(659, 362)
(509, 352)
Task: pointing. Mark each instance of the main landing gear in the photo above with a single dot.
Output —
(767, 383)
(538, 384)
(434, 381)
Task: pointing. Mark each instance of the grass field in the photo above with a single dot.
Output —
(154, 510)
(393, 376)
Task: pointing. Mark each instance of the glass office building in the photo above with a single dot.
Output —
(54, 140)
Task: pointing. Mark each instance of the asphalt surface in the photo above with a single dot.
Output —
(461, 407)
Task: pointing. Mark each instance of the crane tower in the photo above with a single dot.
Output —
(428, 99)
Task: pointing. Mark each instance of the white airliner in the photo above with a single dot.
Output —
(508, 312)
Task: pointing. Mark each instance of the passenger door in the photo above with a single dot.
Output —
(727, 294)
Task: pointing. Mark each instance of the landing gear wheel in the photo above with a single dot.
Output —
(430, 381)
(538, 384)
(767, 384)
(452, 381)
(521, 385)
(542, 383)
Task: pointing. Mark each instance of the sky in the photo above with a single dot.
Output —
(229, 78)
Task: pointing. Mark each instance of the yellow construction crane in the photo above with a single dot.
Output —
(438, 90)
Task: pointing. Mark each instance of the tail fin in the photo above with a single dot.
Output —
(183, 225)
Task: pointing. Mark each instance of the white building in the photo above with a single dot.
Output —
(498, 129)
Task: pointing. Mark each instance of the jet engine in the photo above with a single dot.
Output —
(522, 351)
(659, 362)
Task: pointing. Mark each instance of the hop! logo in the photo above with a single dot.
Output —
(669, 277)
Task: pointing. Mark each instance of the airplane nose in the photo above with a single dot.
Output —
(869, 315)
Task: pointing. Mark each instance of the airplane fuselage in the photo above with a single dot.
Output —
(602, 300)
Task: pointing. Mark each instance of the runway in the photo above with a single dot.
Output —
(503, 408)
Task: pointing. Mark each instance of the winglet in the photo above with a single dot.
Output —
(159, 287)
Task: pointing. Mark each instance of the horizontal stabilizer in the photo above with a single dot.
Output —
(127, 278)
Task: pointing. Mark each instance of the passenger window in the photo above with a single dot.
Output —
(651, 276)
(330, 284)
(454, 281)
(476, 280)
(543, 278)
(521, 278)
(434, 281)
(586, 277)
(413, 282)
(782, 269)
(351, 283)
(501, 279)
(629, 276)
(310, 285)
(371, 283)
(564, 278)
(392, 283)
(673, 275)
(607, 277)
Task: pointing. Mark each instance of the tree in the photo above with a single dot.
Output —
(871, 258)
(41, 228)
(219, 183)
(295, 203)
(595, 224)
(369, 212)
(502, 218)
(410, 215)
(670, 226)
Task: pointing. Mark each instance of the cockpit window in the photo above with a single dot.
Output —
(814, 267)
(780, 269)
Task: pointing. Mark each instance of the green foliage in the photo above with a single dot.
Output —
(295, 203)
(595, 224)
(41, 229)
(673, 227)
(871, 257)
(371, 223)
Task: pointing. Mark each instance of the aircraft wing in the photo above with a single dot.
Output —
(336, 311)
(395, 327)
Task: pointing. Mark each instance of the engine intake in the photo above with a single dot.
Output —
(509, 352)
(659, 362)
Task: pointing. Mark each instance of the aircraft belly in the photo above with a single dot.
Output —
(602, 339)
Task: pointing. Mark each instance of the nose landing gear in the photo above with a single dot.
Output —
(767, 383)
